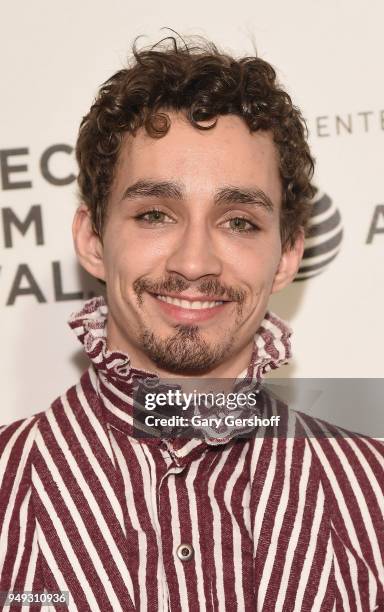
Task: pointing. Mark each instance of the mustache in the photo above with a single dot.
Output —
(176, 284)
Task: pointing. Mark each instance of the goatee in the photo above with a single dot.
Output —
(184, 352)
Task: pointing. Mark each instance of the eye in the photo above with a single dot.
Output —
(240, 224)
(154, 217)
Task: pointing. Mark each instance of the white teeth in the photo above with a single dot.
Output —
(196, 305)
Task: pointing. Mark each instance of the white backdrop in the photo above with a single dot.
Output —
(53, 57)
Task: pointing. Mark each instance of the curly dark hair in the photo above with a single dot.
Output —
(204, 83)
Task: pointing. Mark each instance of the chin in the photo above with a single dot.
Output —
(186, 351)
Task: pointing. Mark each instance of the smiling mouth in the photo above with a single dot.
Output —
(190, 309)
(189, 304)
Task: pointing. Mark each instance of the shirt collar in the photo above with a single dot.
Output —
(272, 346)
(113, 369)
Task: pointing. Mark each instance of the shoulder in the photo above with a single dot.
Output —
(332, 481)
(74, 420)
(16, 444)
(348, 468)
(18, 439)
(351, 468)
(345, 458)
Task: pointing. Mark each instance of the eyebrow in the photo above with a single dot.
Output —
(240, 195)
(174, 191)
(153, 189)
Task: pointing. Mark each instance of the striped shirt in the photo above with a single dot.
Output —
(288, 523)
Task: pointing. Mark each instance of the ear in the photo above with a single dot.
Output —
(88, 246)
(289, 263)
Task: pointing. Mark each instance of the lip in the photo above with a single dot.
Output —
(178, 314)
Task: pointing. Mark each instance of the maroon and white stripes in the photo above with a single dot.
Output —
(289, 524)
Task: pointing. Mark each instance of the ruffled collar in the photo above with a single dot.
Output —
(115, 380)
(272, 347)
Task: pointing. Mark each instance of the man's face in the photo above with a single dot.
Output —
(191, 245)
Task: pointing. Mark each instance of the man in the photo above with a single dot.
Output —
(195, 187)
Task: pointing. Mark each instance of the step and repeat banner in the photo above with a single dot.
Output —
(53, 58)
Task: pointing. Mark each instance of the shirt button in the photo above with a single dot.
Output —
(185, 552)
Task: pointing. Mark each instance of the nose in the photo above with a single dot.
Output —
(195, 254)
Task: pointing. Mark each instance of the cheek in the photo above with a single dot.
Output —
(254, 263)
(129, 255)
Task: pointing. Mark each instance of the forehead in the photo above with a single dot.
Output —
(201, 160)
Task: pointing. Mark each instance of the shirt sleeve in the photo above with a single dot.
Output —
(19, 557)
(352, 474)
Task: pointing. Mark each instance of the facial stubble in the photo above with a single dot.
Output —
(186, 351)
